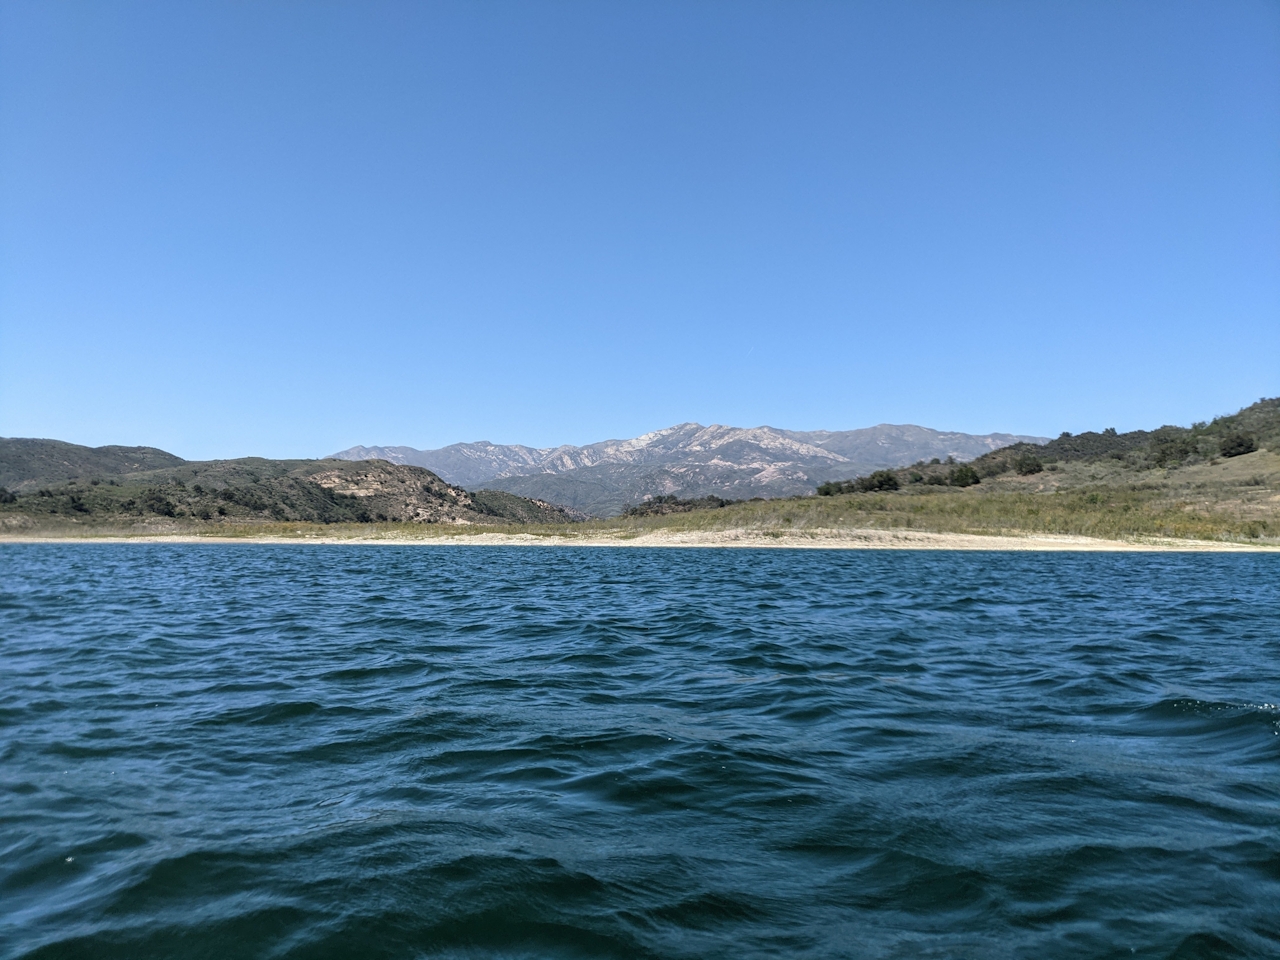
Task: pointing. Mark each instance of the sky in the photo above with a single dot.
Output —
(285, 228)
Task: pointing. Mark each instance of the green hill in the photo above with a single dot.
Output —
(1214, 480)
(1255, 427)
(103, 491)
(27, 463)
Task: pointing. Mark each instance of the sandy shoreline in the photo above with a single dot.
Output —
(827, 540)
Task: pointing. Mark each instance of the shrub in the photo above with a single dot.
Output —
(1236, 444)
(7, 497)
(668, 504)
(1172, 450)
(833, 487)
(1170, 446)
(990, 466)
(1027, 464)
(880, 480)
(156, 502)
(874, 483)
(964, 476)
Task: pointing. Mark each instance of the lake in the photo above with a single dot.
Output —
(312, 751)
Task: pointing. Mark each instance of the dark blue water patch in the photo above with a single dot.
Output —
(307, 752)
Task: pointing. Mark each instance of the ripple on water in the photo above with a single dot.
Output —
(398, 752)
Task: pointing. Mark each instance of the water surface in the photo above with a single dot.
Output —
(375, 751)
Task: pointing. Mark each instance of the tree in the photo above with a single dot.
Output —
(1172, 450)
(833, 487)
(1026, 464)
(880, 480)
(964, 476)
(1237, 444)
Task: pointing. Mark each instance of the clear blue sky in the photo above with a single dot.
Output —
(285, 228)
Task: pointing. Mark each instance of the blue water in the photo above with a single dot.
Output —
(374, 751)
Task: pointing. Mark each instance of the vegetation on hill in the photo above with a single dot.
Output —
(876, 481)
(1217, 480)
(1212, 480)
(663, 505)
(1240, 433)
(1140, 450)
(689, 460)
(1237, 499)
(255, 491)
(26, 463)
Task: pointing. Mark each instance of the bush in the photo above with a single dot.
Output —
(668, 504)
(153, 501)
(990, 466)
(1237, 444)
(1026, 464)
(880, 480)
(964, 476)
(1167, 452)
(833, 487)
(7, 497)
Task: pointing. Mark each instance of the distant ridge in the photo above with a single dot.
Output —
(688, 460)
(23, 458)
(49, 481)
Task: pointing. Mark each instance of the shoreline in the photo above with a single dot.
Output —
(870, 539)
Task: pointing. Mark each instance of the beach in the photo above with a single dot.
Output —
(868, 539)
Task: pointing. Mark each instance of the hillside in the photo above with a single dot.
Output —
(1217, 480)
(1213, 480)
(245, 491)
(24, 462)
(687, 460)
(1253, 428)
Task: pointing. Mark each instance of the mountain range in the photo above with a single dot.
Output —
(49, 481)
(687, 460)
